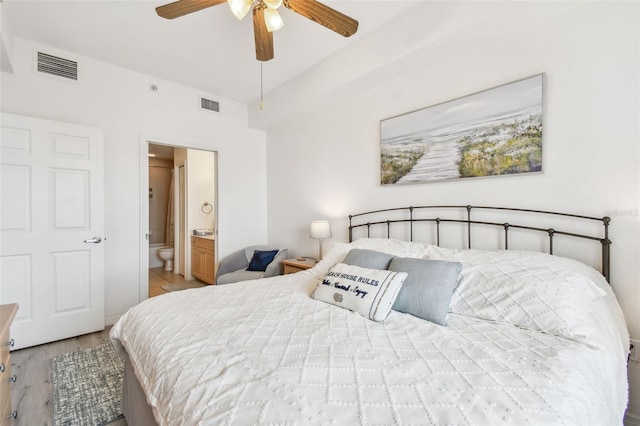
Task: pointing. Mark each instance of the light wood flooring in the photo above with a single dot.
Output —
(32, 389)
(158, 277)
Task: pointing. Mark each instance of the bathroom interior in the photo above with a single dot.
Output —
(182, 198)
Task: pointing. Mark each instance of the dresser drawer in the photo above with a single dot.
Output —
(7, 313)
(5, 393)
(5, 353)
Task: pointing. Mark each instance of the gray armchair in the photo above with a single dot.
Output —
(233, 267)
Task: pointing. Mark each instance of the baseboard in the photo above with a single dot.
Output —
(112, 320)
(631, 419)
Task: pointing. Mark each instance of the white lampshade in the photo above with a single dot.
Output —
(273, 20)
(272, 4)
(240, 8)
(320, 229)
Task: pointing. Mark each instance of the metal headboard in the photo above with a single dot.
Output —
(602, 238)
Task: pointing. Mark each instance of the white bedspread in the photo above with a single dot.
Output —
(264, 352)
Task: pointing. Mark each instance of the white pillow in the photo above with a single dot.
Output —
(519, 264)
(526, 289)
(369, 292)
(336, 255)
(397, 248)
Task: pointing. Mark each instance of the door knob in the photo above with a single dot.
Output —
(94, 240)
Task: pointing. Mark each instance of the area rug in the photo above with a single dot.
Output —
(87, 386)
(182, 285)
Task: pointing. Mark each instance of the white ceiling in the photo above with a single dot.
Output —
(209, 50)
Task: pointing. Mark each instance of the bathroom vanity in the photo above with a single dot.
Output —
(202, 258)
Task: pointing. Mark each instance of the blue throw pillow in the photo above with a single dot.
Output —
(427, 291)
(261, 259)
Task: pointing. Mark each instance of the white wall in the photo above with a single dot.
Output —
(201, 178)
(6, 44)
(323, 127)
(121, 102)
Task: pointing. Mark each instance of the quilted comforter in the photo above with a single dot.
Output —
(264, 352)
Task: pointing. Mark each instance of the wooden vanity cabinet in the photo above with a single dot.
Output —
(203, 259)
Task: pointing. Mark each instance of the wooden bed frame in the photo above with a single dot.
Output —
(405, 219)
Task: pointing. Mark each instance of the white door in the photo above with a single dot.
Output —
(51, 224)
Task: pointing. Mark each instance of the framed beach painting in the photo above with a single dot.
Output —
(494, 132)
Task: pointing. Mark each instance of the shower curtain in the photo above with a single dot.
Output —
(168, 232)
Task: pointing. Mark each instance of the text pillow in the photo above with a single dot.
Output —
(427, 291)
(261, 259)
(368, 259)
(369, 292)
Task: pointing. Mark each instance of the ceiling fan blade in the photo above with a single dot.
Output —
(184, 7)
(263, 38)
(324, 15)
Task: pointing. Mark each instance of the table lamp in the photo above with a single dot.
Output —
(320, 230)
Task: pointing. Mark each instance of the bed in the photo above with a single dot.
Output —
(527, 337)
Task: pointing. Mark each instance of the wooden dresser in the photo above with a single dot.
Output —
(7, 313)
(203, 259)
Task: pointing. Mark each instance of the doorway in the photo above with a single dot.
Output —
(162, 214)
(177, 183)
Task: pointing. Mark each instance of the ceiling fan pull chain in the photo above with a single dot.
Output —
(261, 88)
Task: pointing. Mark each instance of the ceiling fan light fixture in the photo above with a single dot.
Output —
(273, 4)
(266, 18)
(240, 8)
(273, 20)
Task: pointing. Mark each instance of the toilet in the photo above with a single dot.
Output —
(166, 254)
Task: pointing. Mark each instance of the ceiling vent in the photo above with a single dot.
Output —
(209, 105)
(59, 67)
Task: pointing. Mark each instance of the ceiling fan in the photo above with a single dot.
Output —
(266, 18)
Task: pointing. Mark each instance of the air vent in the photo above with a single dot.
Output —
(210, 105)
(59, 67)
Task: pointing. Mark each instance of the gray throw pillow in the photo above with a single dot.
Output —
(368, 259)
(427, 290)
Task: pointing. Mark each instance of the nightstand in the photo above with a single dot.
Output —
(291, 266)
